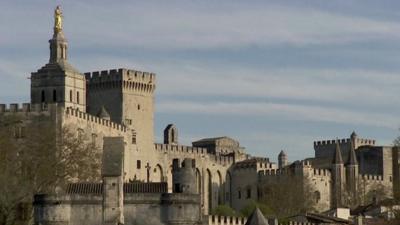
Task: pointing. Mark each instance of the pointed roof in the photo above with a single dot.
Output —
(353, 135)
(282, 153)
(103, 113)
(337, 158)
(257, 218)
(352, 160)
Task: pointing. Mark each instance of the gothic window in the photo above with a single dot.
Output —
(54, 96)
(77, 97)
(138, 107)
(70, 96)
(19, 132)
(94, 139)
(239, 194)
(43, 96)
(138, 164)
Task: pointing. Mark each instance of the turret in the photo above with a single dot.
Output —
(338, 177)
(171, 135)
(352, 173)
(282, 159)
(103, 113)
(184, 176)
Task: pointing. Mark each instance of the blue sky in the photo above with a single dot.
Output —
(272, 74)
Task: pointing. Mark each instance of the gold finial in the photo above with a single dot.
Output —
(58, 19)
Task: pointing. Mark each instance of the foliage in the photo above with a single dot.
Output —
(224, 210)
(288, 195)
(252, 205)
(34, 158)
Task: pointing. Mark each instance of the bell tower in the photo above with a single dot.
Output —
(58, 81)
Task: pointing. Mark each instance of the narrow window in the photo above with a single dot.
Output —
(248, 193)
(239, 194)
(77, 97)
(54, 96)
(43, 96)
(70, 96)
(138, 164)
(133, 137)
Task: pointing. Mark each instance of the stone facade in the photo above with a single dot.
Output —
(120, 103)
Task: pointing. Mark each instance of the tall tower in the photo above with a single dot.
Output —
(57, 81)
(352, 174)
(128, 97)
(338, 177)
(282, 159)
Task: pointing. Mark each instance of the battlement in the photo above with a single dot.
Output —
(371, 177)
(273, 172)
(26, 108)
(226, 220)
(358, 142)
(94, 119)
(128, 79)
(196, 151)
(322, 172)
(299, 223)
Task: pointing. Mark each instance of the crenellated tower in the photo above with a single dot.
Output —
(58, 81)
(338, 178)
(128, 97)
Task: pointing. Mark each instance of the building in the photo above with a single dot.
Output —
(119, 103)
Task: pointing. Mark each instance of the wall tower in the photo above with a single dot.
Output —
(282, 159)
(58, 81)
(352, 173)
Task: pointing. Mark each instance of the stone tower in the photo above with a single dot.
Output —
(57, 81)
(171, 135)
(338, 177)
(352, 172)
(282, 159)
(184, 176)
(128, 97)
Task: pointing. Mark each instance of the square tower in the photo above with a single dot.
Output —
(127, 95)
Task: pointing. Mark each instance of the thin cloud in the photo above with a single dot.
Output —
(283, 111)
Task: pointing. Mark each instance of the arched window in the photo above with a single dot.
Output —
(77, 97)
(70, 96)
(43, 96)
(54, 95)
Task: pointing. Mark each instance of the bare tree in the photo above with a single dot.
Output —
(36, 157)
(288, 195)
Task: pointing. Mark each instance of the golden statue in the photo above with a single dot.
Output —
(57, 19)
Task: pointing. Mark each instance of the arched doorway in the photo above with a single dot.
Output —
(158, 175)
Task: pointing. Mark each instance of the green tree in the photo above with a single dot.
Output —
(35, 158)
(224, 210)
(252, 205)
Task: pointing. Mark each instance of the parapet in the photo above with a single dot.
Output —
(371, 177)
(226, 220)
(189, 151)
(322, 172)
(94, 119)
(128, 79)
(26, 108)
(358, 142)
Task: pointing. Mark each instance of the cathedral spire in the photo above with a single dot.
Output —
(352, 156)
(337, 158)
(58, 44)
